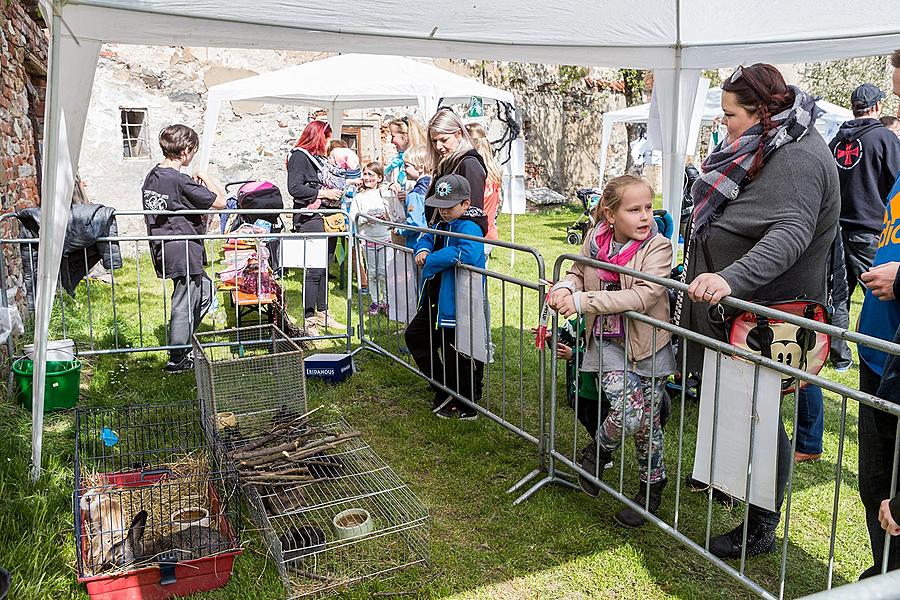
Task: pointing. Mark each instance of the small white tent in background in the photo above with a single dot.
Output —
(827, 124)
(676, 39)
(352, 81)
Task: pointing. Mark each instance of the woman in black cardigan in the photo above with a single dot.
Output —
(450, 150)
(305, 168)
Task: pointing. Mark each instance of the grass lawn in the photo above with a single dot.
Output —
(558, 544)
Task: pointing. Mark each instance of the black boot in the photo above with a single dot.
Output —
(760, 540)
(589, 463)
(632, 518)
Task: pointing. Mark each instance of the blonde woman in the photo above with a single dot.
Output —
(450, 150)
(405, 132)
(494, 177)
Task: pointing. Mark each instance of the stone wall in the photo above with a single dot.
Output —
(23, 60)
(251, 141)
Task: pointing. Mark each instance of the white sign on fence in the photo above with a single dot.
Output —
(309, 253)
(733, 429)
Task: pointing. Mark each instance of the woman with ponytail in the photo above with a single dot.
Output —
(765, 215)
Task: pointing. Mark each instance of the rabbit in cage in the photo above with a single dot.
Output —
(195, 541)
(107, 534)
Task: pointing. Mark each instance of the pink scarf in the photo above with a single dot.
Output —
(600, 248)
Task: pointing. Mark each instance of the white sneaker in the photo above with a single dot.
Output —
(311, 325)
(323, 319)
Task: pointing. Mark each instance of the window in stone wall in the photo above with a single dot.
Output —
(134, 133)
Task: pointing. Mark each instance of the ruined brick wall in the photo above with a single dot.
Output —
(23, 60)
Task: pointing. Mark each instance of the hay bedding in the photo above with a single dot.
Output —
(187, 486)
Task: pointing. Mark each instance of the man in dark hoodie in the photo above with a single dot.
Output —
(868, 159)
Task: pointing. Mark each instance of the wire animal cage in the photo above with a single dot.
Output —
(155, 514)
(249, 375)
(330, 510)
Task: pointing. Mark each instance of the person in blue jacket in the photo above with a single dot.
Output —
(431, 334)
(416, 164)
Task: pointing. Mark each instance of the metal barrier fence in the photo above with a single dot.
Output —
(681, 521)
(496, 353)
(514, 389)
(130, 312)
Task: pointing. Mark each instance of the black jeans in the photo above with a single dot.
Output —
(432, 349)
(876, 432)
(191, 298)
(759, 515)
(859, 252)
(315, 283)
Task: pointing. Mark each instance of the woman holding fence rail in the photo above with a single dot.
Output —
(766, 213)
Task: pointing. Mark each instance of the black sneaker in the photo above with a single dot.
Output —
(465, 412)
(443, 409)
(183, 365)
(760, 540)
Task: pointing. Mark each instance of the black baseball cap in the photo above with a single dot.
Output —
(449, 191)
(865, 96)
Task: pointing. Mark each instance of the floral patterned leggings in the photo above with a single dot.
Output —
(637, 392)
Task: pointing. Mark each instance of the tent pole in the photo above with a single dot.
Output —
(44, 295)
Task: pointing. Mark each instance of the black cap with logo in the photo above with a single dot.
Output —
(449, 191)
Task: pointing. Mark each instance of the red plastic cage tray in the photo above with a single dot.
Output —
(156, 582)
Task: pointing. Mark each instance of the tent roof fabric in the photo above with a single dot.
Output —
(634, 33)
(356, 81)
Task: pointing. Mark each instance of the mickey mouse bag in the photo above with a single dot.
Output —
(787, 343)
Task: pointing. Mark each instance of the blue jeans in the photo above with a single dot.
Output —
(810, 420)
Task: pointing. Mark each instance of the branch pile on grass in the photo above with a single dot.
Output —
(291, 453)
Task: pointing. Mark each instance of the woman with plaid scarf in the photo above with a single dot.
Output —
(765, 213)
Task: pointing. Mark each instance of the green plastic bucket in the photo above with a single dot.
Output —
(63, 381)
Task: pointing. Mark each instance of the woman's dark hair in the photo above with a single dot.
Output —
(761, 90)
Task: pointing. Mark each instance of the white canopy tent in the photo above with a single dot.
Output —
(711, 109)
(351, 81)
(675, 38)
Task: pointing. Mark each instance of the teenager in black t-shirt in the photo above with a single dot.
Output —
(182, 261)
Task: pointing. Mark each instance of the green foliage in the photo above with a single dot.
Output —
(715, 80)
(834, 81)
(570, 75)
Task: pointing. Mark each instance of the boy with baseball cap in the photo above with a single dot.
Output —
(431, 335)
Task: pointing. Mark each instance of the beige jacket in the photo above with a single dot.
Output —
(654, 258)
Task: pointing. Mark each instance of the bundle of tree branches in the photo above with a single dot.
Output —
(292, 453)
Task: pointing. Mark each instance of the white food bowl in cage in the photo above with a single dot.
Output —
(189, 517)
(351, 523)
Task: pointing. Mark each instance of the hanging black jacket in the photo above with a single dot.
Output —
(867, 155)
(81, 250)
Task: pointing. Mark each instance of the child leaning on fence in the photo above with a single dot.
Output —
(432, 334)
(416, 161)
(626, 235)
(167, 188)
(369, 201)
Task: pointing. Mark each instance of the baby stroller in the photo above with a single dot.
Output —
(259, 195)
(576, 231)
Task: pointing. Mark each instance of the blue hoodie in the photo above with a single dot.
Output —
(415, 210)
(449, 253)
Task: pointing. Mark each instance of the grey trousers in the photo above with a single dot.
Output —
(191, 298)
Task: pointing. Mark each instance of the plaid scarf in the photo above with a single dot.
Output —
(726, 167)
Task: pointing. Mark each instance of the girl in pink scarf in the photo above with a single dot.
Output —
(632, 371)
